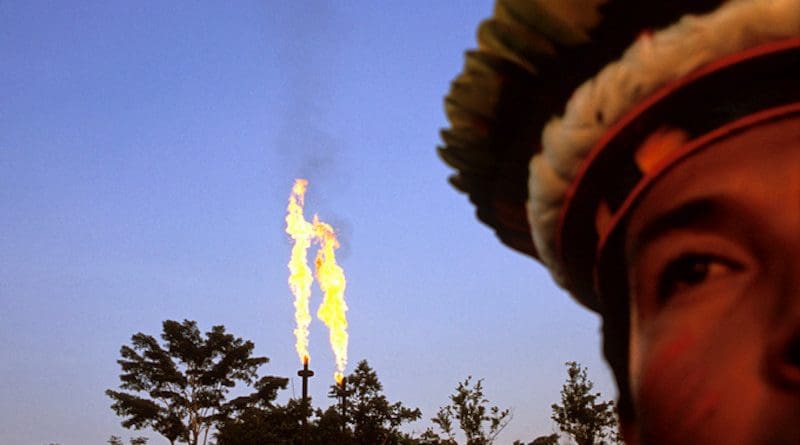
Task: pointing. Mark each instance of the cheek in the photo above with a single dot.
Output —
(698, 381)
(669, 367)
(676, 394)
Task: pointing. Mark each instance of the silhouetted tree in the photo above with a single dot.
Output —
(263, 424)
(480, 423)
(180, 389)
(116, 440)
(329, 427)
(582, 414)
(429, 437)
(370, 417)
(545, 440)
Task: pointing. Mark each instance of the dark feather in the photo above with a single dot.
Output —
(529, 61)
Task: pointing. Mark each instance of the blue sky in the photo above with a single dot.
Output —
(147, 151)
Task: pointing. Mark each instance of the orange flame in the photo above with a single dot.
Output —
(332, 282)
(329, 275)
(300, 277)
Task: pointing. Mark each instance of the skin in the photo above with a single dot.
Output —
(713, 263)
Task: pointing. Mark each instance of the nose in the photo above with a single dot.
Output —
(784, 356)
(793, 352)
(784, 272)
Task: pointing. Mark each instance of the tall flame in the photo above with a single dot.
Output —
(332, 282)
(300, 277)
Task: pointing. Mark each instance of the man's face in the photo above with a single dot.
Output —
(713, 255)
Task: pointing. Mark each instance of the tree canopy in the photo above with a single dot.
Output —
(369, 413)
(180, 389)
(582, 414)
(263, 424)
(479, 422)
(369, 418)
(116, 440)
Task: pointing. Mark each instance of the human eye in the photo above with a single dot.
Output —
(692, 270)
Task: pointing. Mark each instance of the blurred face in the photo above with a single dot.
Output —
(713, 255)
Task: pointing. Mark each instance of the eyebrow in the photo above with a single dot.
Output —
(690, 214)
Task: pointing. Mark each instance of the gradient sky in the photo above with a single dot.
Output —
(147, 151)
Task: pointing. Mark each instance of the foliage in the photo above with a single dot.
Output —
(429, 437)
(369, 417)
(480, 423)
(545, 440)
(329, 428)
(180, 389)
(116, 440)
(582, 414)
(262, 424)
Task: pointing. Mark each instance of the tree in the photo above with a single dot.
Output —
(582, 414)
(545, 440)
(429, 437)
(329, 427)
(116, 440)
(370, 415)
(180, 389)
(369, 419)
(263, 424)
(480, 423)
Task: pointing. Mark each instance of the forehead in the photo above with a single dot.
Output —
(754, 174)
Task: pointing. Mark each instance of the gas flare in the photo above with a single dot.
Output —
(329, 274)
(330, 277)
(300, 276)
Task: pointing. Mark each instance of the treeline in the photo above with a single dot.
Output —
(179, 387)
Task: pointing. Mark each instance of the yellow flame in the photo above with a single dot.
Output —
(300, 277)
(332, 282)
